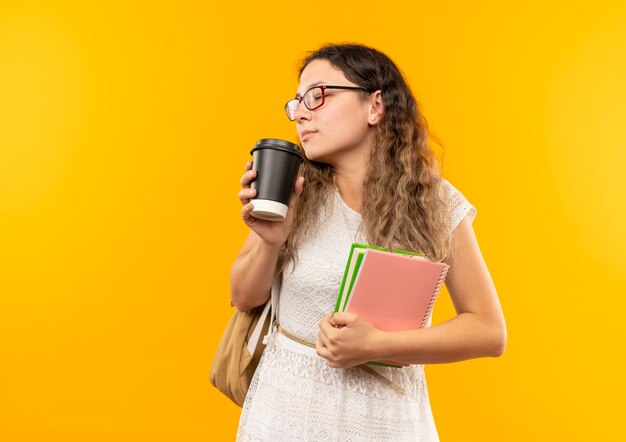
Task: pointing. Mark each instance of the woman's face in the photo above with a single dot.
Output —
(339, 128)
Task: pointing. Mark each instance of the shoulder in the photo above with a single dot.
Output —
(458, 203)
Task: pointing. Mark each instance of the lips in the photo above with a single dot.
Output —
(306, 134)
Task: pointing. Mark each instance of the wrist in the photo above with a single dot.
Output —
(380, 345)
(272, 247)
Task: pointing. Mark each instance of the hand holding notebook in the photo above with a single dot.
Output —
(395, 291)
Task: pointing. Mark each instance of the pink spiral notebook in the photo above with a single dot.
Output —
(393, 291)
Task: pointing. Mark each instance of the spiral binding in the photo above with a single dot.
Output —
(429, 309)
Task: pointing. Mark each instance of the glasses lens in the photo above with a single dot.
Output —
(314, 98)
(291, 107)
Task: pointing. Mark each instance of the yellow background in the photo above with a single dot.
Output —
(124, 128)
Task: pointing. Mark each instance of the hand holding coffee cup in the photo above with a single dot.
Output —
(276, 163)
(271, 232)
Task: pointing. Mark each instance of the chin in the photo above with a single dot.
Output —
(315, 155)
(315, 150)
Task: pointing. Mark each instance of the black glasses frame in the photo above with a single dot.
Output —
(323, 87)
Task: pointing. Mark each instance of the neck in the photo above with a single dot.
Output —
(349, 178)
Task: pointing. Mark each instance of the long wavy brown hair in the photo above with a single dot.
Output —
(404, 203)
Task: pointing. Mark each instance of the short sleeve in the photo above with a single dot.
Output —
(459, 206)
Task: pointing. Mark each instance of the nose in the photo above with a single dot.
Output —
(302, 113)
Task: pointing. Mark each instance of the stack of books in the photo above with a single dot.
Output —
(395, 291)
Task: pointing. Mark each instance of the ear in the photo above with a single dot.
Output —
(376, 108)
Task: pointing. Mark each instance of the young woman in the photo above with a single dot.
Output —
(370, 177)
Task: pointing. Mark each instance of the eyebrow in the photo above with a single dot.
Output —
(317, 83)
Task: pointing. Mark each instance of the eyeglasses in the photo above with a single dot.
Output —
(314, 98)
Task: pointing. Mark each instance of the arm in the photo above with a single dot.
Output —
(252, 273)
(478, 330)
(253, 270)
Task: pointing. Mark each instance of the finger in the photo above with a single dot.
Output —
(322, 350)
(332, 321)
(343, 318)
(247, 177)
(319, 347)
(325, 334)
(245, 213)
(325, 322)
(336, 324)
(246, 194)
(248, 166)
(299, 186)
(297, 191)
